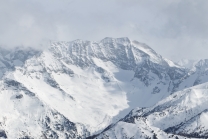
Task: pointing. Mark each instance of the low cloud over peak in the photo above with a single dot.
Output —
(175, 28)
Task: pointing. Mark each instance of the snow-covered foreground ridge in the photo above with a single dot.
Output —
(181, 115)
(77, 89)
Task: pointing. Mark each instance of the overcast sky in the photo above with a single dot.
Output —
(176, 29)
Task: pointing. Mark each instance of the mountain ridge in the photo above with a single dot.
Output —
(87, 84)
(169, 118)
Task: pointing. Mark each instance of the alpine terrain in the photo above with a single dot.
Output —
(112, 89)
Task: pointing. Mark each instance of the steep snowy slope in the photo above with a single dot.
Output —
(23, 115)
(88, 85)
(181, 115)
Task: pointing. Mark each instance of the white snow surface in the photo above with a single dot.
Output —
(182, 114)
(89, 85)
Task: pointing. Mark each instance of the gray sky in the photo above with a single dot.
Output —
(174, 28)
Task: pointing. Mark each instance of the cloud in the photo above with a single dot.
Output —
(174, 28)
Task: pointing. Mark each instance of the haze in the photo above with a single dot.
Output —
(176, 29)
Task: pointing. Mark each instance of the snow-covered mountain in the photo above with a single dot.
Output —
(10, 58)
(181, 115)
(198, 74)
(187, 63)
(76, 89)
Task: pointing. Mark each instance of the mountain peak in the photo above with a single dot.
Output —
(203, 63)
